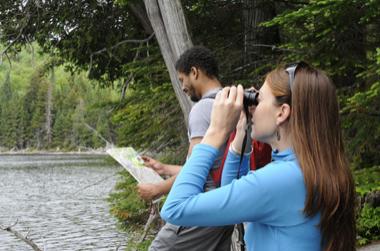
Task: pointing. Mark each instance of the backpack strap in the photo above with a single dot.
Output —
(216, 174)
(261, 155)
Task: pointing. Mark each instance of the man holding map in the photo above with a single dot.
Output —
(198, 72)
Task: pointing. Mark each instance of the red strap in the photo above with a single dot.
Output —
(216, 174)
(261, 155)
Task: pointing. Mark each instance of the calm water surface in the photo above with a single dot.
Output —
(60, 201)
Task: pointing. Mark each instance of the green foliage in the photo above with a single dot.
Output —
(125, 204)
(367, 183)
(368, 224)
(8, 110)
(137, 245)
(86, 34)
(132, 212)
(361, 124)
(150, 119)
(367, 180)
(332, 34)
(75, 100)
(340, 36)
(361, 117)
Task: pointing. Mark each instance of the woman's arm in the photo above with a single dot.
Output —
(187, 205)
(232, 165)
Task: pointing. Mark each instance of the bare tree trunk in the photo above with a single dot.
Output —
(168, 22)
(255, 12)
(139, 12)
(175, 25)
(49, 107)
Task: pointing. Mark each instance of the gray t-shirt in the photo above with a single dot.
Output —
(199, 121)
(173, 237)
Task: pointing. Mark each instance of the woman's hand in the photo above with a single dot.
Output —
(241, 127)
(225, 114)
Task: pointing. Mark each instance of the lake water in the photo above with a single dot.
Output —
(60, 201)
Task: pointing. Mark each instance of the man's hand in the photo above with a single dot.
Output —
(148, 191)
(155, 165)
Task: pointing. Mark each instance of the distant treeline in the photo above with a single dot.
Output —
(44, 107)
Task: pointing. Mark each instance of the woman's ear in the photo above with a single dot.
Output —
(283, 113)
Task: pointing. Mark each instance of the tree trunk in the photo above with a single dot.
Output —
(175, 25)
(49, 107)
(140, 13)
(255, 12)
(168, 22)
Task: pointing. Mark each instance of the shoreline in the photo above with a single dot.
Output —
(373, 246)
(51, 152)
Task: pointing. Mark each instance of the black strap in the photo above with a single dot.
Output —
(243, 146)
(211, 95)
(240, 228)
(242, 154)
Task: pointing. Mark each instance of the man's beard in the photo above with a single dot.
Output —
(194, 98)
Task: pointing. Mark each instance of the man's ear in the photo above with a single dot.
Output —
(283, 113)
(194, 72)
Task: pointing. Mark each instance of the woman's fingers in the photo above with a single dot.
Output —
(232, 94)
(224, 93)
(242, 121)
(240, 95)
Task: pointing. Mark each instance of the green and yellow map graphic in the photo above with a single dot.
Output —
(131, 161)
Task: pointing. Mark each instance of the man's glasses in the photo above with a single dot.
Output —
(291, 70)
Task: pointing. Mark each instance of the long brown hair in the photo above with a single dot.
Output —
(317, 142)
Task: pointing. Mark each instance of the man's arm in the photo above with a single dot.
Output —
(161, 168)
(193, 142)
(149, 191)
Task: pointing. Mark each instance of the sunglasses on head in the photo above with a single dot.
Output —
(292, 69)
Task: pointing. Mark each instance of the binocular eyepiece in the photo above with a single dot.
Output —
(250, 98)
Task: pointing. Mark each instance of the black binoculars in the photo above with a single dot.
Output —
(250, 98)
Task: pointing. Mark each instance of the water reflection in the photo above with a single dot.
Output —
(54, 197)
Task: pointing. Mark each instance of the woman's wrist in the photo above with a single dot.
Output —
(237, 151)
(238, 141)
(234, 150)
(215, 138)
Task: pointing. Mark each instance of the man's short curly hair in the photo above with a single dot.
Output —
(199, 57)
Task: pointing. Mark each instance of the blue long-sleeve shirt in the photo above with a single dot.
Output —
(270, 200)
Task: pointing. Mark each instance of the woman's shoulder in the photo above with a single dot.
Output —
(281, 174)
(282, 184)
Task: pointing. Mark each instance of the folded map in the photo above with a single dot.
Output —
(132, 162)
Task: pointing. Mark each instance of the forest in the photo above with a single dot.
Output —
(69, 66)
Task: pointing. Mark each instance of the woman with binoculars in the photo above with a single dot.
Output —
(304, 199)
